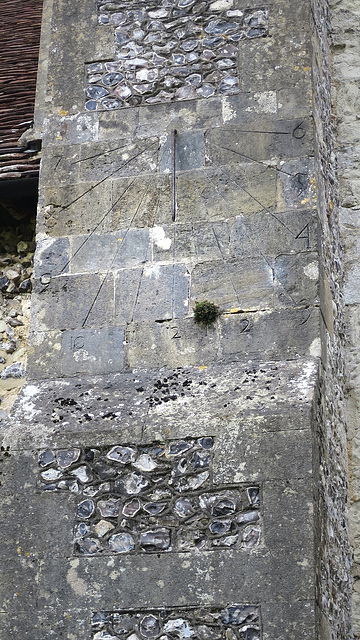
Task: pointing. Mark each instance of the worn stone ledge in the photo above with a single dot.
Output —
(160, 403)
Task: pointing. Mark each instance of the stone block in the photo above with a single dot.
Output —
(92, 351)
(60, 165)
(115, 406)
(248, 107)
(140, 201)
(103, 160)
(263, 398)
(250, 448)
(189, 152)
(260, 143)
(296, 184)
(201, 196)
(57, 305)
(51, 257)
(94, 253)
(294, 102)
(269, 234)
(287, 510)
(246, 285)
(74, 129)
(290, 621)
(265, 335)
(43, 354)
(284, 58)
(127, 282)
(174, 343)
(122, 123)
(183, 116)
(76, 209)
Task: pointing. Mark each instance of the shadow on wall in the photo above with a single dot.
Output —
(17, 232)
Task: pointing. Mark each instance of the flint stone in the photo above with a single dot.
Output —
(149, 626)
(158, 540)
(109, 508)
(85, 509)
(121, 543)
(46, 458)
(88, 546)
(124, 455)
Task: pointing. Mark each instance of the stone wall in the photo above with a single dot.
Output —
(16, 265)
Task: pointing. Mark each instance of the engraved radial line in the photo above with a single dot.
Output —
(96, 226)
(261, 253)
(112, 262)
(66, 206)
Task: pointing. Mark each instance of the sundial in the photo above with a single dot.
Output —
(171, 198)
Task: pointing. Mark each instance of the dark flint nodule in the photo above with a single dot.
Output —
(200, 460)
(131, 508)
(121, 543)
(158, 540)
(220, 526)
(82, 529)
(254, 495)
(206, 443)
(247, 516)
(179, 447)
(104, 471)
(66, 457)
(124, 455)
(99, 619)
(237, 614)
(153, 508)
(183, 507)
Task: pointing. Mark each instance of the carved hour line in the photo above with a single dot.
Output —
(98, 155)
(142, 270)
(96, 227)
(306, 236)
(66, 206)
(258, 202)
(265, 164)
(218, 243)
(113, 260)
(260, 252)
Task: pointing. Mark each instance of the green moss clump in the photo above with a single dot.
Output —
(205, 312)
